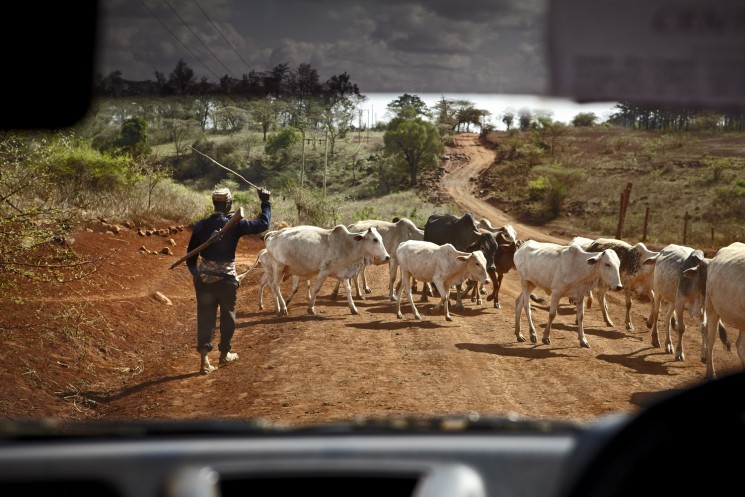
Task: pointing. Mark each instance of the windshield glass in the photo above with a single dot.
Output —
(302, 213)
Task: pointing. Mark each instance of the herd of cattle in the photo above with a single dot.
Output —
(466, 254)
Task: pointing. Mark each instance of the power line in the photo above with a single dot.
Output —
(199, 39)
(235, 50)
(178, 40)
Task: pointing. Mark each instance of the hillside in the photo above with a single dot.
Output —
(119, 343)
(670, 174)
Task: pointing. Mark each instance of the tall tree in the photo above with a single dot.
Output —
(408, 107)
(181, 78)
(415, 144)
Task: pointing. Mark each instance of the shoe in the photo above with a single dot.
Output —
(228, 357)
(204, 366)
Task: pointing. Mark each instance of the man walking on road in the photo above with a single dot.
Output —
(215, 278)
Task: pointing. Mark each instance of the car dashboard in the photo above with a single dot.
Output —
(467, 456)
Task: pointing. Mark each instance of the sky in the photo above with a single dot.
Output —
(481, 46)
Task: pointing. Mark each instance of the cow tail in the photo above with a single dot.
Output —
(256, 263)
(537, 299)
(723, 337)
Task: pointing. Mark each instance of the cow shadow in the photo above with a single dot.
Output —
(401, 324)
(638, 362)
(261, 317)
(519, 350)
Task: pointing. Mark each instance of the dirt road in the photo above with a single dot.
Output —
(334, 366)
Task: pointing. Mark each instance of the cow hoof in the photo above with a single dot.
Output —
(520, 338)
(497, 305)
(418, 317)
(649, 324)
(448, 318)
(546, 341)
(393, 299)
(609, 323)
(312, 311)
(368, 290)
(655, 343)
(584, 344)
(680, 358)
(355, 312)
(400, 316)
(483, 291)
(534, 339)
(629, 327)
(669, 348)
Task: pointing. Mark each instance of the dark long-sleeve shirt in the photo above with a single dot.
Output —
(224, 250)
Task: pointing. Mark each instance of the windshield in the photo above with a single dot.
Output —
(362, 160)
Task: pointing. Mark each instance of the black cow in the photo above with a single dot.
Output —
(464, 234)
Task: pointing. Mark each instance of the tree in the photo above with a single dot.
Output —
(181, 78)
(525, 118)
(408, 107)
(508, 118)
(133, 137)
(415, 144)
(584, 120)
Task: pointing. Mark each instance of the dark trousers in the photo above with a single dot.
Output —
(210, 296)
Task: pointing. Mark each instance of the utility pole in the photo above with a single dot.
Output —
(302, 166)
(325, 161)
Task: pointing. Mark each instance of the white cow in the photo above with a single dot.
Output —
(680, 293)
(393, 234)
(561, 270)
(442, 265)
(263, 259)
(725, 299)
(308, 251)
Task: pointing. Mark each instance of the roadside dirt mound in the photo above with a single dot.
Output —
(120, 344)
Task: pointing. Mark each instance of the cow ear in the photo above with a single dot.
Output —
(592, 260)
(472, 247)
(691, 272)
(358, 237)
(464, 257)
(651, 261)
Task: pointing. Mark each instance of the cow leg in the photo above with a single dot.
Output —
(553, 307)
(426, 292)
(524, 300)
(392, 270)
(444, 288)
(580, 323)
(680, 328)
(275, 286)
(518, 311)
(319, 283)
(365, 286)
(629, 324)
(670, 314)
(262, 283)
(293, 289)
(335, 291)
(350, 300)
(459, 291)
(654, 314)
(357, 289)
(740, 346)
(603, 306)
(405, 285)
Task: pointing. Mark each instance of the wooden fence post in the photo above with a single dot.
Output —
(685, 226)
(625, 194)
(646, 223)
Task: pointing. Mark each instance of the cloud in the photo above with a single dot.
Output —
(384, 45)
